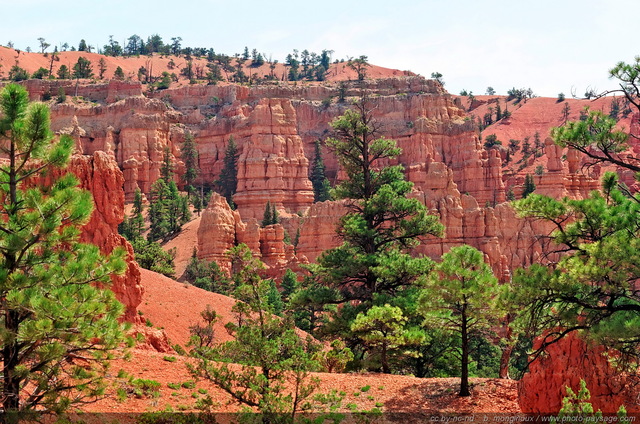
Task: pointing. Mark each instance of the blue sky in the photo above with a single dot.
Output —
(551, 46)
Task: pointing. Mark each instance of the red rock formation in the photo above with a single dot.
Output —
(318, 231)
(100, 174)
(221, 229)
(155, 339)
(272, 166)
(542, 389)
(275, 127)
(217, 231)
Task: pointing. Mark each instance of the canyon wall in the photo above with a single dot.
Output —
(275, 128)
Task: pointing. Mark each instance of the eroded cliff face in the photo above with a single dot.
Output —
(100, 175)
(275, 128)
(568, 361)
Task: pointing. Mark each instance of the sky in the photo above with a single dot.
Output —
(550, 46)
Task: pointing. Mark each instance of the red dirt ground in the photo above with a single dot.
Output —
(158, 64)
(174, 306)
(395, 393)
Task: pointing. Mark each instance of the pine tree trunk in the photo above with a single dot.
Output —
(384, 360)
(504, 362)
(11, 382)
(464, 374)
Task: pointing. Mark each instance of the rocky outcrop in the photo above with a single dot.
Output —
(273, 167)
(100, 175)
(221, 229)
(217, 231)
(568, 361)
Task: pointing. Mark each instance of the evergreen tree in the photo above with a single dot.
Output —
(460, 297)
(318, 179)
(50, 312)
(382, 328)
(63, 72)
(275, 219)
(82, 68)
(207, 275)
(228, 181)
(166, 169)
(382, 225)
(133, 226)
(159, 225)
(598, 139)
(118, 73)
(289, 284)
(529, 186)
(102, 67)
(591, 290)
(150, 255)
(267, 218)
(168, 210)
(266, 366)
(526, 148)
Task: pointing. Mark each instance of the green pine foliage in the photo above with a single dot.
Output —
(577, 404)
(382, 224)
(289, 284)
(207, 275)
(270, 215)
(591, 289)
(228, 181)
(267, 365)
(529, 186)
(150, 255)
(460, 297)
(133, 227)
(189, 154)
(383, 330)
(168, 210)
(50, 312)
(373, 265)
(319, 181)
(82, 68)
(597, 137)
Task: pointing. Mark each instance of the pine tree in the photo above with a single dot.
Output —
(529, 186)
(228, 181)
(275, 219)
(189, 153)
(118, 73)
(382, 329)
(590, 291)
(267, 365)
(374, 263)
(382, 223)
(166, 169)
(82, 68)
(159, 220)
(318, 179)
(460, 297)
(50, 312)
(289, 284)
(266, 216)
(132, 227)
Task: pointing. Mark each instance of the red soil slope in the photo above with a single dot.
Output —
(156, 64)
(174, 306)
